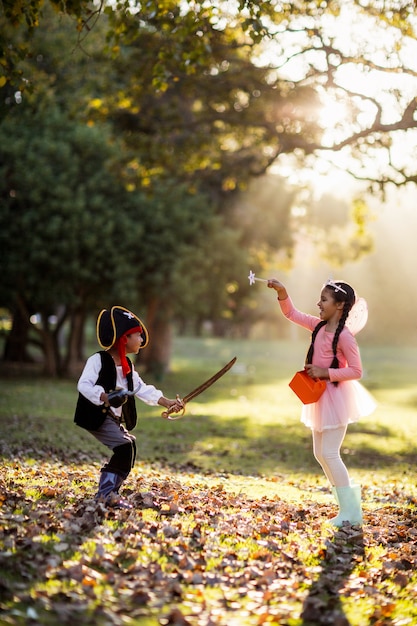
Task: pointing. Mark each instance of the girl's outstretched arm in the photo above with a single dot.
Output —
(288, 309)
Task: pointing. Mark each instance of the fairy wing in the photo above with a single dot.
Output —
(358, 316)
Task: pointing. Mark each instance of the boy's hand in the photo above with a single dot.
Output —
(117, 398)
(173, 407)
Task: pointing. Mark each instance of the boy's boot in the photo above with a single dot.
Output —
(349, 500)
(108, 490)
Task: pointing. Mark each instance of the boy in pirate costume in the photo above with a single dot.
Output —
(107, 389)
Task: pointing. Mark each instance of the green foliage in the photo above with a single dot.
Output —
(29, 11)
(174, 145)
(187, 253)
(217, 118)
(62, 212)
(340, 232)
(188, 109)
(68, 228)
(272, 64)
(21, 11)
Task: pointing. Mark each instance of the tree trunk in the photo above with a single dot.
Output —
(75, 344)
(157, 354)
(51, 357)
(15, 348)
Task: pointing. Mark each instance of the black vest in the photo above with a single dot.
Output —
(91, 416)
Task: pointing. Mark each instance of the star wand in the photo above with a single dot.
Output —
(253, 278)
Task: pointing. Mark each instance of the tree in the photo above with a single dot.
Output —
(182, 226)
(303, 47)
(64, 247)
(186, 248)
(166, 230)
(209, 99)
(73, 239)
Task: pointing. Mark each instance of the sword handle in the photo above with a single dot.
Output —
(167, 414)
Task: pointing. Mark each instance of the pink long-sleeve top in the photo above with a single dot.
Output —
(348, 355)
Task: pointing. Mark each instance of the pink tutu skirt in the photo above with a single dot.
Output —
(338, 406)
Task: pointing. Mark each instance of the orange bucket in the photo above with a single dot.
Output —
(307, 389)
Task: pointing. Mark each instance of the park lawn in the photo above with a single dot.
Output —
(229, 525)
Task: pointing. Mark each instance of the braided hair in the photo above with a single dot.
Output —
(341, 292)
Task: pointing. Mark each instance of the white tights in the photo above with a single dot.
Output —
(326, 448)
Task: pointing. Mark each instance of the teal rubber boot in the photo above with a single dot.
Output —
(349, 501)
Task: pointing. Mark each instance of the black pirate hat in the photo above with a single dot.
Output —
(113, 324)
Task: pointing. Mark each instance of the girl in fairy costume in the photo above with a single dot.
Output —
(334, 357)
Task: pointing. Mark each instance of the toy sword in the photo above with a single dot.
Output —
(196, 392)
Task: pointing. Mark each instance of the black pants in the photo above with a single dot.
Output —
(121, 442)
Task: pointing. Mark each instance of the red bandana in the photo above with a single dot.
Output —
(121, 346)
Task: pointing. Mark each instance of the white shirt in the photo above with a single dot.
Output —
(88, 388)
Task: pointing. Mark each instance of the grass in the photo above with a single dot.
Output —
(248, 545)
(247, 424)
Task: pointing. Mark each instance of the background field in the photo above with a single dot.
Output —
(246, 424)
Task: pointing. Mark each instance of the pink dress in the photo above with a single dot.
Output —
(346, 402)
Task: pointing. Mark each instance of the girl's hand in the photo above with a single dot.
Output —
(273, 283)
(317, 372)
